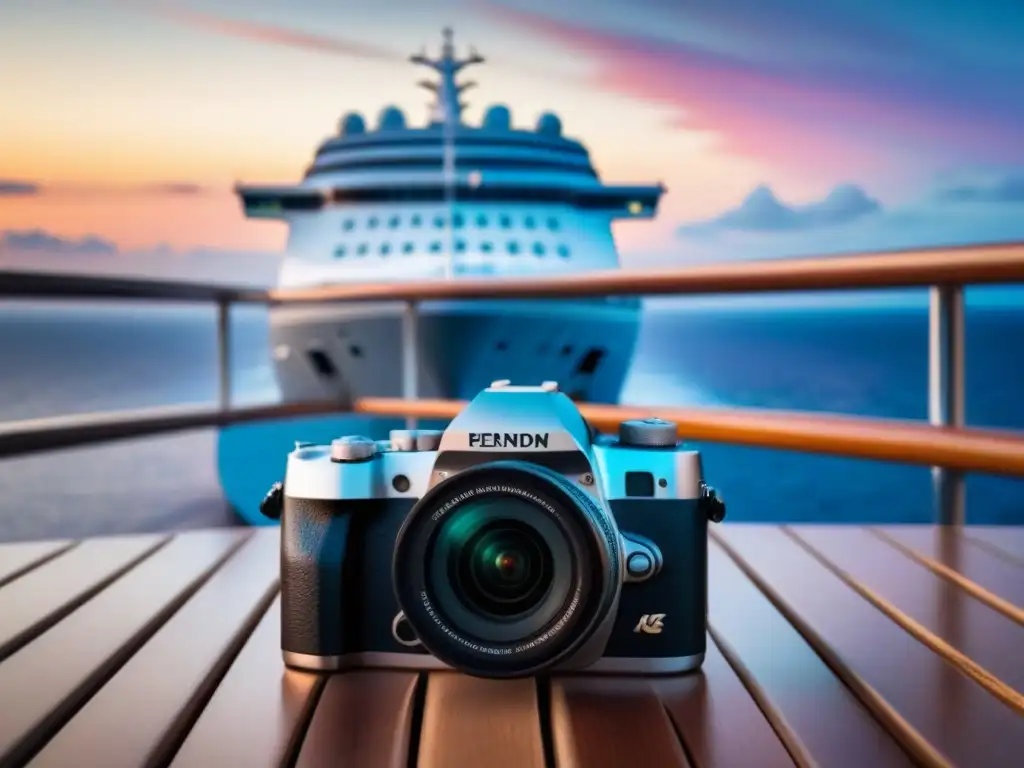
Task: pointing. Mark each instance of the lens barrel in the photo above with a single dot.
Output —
(506, 569)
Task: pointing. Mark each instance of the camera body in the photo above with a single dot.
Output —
(515, 542)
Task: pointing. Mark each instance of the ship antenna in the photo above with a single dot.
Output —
(447, 106)
(447, 110)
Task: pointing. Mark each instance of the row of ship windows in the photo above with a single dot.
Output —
(458, 222)
(386, 249)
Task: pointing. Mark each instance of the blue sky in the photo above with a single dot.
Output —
(784, 128)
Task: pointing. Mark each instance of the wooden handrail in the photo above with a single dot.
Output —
(966, 265)
(61, 285)
(18, 438)
(976, 264)
(968, 450)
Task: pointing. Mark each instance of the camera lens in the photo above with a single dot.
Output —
(505, 569)
(499, 568)
(498, 565)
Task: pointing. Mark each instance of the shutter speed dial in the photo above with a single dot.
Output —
(648, 433)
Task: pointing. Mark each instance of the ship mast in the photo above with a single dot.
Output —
(447, 110)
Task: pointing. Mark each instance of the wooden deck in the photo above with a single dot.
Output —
(830, 646)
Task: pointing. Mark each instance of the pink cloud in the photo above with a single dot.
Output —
(789, 122)
(271, 33)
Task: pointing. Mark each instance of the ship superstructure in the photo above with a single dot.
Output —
(449, 199)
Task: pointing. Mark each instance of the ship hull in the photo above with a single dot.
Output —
(343, 352)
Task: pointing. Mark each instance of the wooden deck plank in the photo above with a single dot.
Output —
(47, 593)
(19, 557)
(177, 669)
(363, 718)
(610, 723)
(992, 578)
(1007, 540)
(937, 606)
(821, 721)
(466, 718)
(941, 714)
(255, 718)
(835, 646)
(710, 707)
(52, 676)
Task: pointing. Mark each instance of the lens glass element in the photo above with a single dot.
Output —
(502, 569)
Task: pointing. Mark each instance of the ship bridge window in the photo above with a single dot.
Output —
(529, 222)
(416, 220)
(372, 222)
(458, 221)
(481, 220)
(513, 247)
(407, 248)
(347, 225)
(506, 222)
(553, 224)
(439, 222)
(435, 247)
(460, 246)
(340, 251)
(486, 247)
(393, 222)
(538, 248)
(385, 249)
(322, 363)
(590, 361)
(563, 251)
(363, 248)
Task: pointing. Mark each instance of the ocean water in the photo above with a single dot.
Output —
(66, 359)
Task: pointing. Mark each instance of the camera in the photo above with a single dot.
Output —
(516, 542)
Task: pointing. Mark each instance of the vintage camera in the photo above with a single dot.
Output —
(515, 542)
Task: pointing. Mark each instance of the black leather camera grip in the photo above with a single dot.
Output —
(314, 537)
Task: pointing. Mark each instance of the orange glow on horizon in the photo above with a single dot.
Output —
(144, 222)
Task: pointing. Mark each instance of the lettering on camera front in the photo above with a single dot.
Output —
(650, 624)
(508, 439)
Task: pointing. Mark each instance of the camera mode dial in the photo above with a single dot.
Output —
(648, 433)
(415, 439)
(352, 448)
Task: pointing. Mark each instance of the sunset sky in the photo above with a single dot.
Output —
(779, 128)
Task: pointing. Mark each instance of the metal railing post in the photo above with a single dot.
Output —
(946, 391)
(224, 354)
(410, 357)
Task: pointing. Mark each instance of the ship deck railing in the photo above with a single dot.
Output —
(828, 645)
(945, 442)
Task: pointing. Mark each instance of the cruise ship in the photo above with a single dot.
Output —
(445, 200)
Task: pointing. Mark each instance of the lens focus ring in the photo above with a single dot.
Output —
(505, 569)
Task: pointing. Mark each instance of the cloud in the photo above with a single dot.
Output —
(39, 250)
(275, 34)
(762, 211)
(13, 188)
(271, 33)
(175, 188)
(847, 222)
(32, 188)
(38, 241)
(1006, 187)
(801, 84)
